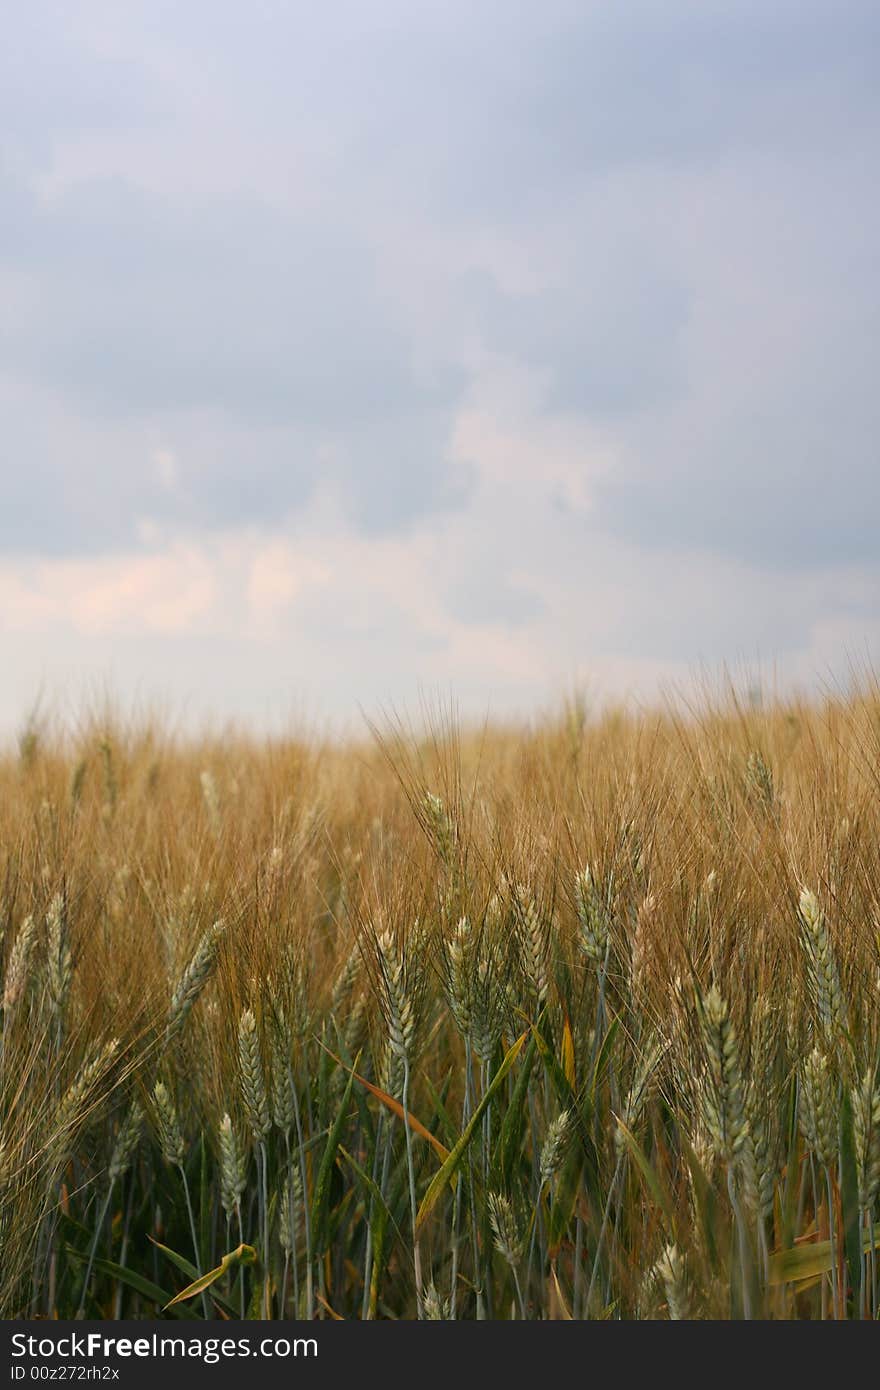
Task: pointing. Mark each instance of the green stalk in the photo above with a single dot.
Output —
(123, 1251)
(835, 1295)
(743, 1244)
(484, 1086)
(307, 1220)
(291, 1207)
(241, 1273)
(378, 1158)
(618, 1169)
(475, 1240)
(102, 1216)
(417, 1254)
(519, 1295)
(195, 1240)
(456, 1207)
(264, 1225)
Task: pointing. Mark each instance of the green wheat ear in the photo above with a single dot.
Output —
(760, 777)
(593, 916)
(818, 1108)
(534, 943)
(436, 1307)
(555, 1146)
(17, 969)
(252, 1077)
(723, 1092)
(195, 977)
(168, 1128)
(639, 1094)
(76, 1101)
(59, 961)
(127, 1141)
(233, 1166)
(397, 997)
(283, 1098)
(460, 963)
(822, 969)
(866, 1133)
(508, 1242)
(670, 1269)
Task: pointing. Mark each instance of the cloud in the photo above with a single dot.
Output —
(223, 318)
(246, 620)
(168, 592)
(438, 343)
(165, 464)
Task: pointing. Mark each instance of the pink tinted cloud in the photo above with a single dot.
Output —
(168, 592)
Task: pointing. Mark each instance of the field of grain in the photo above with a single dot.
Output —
(575, 1021)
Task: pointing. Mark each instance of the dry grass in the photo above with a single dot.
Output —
(687, 1122)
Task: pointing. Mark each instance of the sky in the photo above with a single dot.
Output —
(363, 353)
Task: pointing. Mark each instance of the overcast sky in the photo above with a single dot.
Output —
(353, 350)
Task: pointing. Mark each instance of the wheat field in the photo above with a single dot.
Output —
(574, 1021)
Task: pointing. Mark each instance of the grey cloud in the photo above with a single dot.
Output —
(610, 341)
(498, 116)
(130, 311)
(74, 486)
(763, 506)
(484, 593)
(770, 454)
(58, 79)
(134, 306)
(264, 341)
